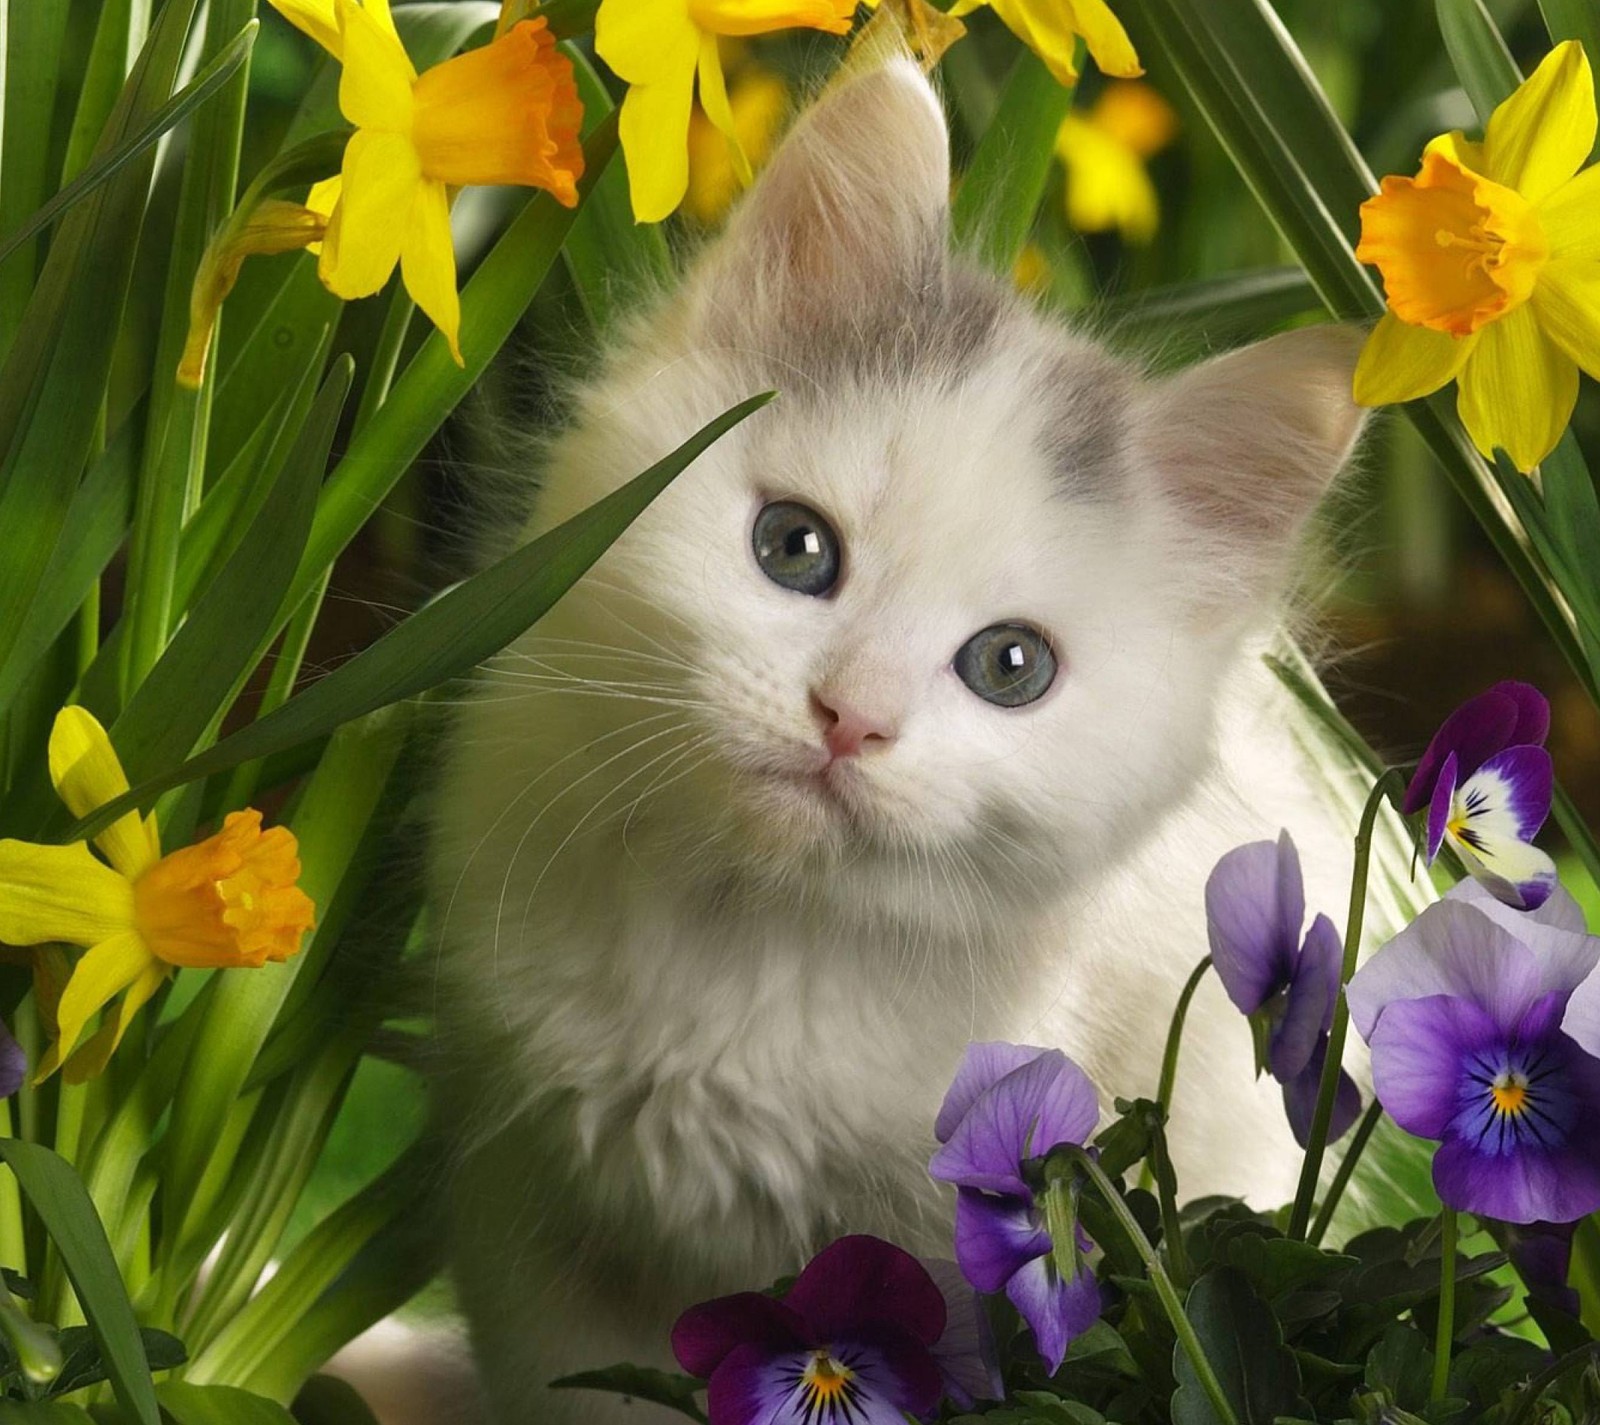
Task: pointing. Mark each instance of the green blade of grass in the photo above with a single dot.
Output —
(1478, 53)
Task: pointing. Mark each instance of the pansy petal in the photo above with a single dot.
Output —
(60, 893)
(966, 1353)
(707, 1333)
(1567, 300)
(1308, 1007)
(1533, 712)
(1559, 1185)
(996, 1237)
(1453, 948)
(865, 1279)
(87, 775)
(1057, 1309)
(1418, 1050)
(1518, 391)
(1519, 874)
(1255, 905)
(365, 234)
(13, 1064)
(1542, 135)
(982, 1067)
(1300, 1099)
(375, 84)
(1509, 796)
(1541, 1252)
(1401, 362)
(889, 1374)
(1045, 1103)
(1439, 806)
(1474, 732)
(103, 973)
(1545, 929)
(428, 264)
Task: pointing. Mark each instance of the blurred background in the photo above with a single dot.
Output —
(1415, 613)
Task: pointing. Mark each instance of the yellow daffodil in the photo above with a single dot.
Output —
(1104, 152)
(659, 48)
(507, 112)
(1050, 28)
(230, 900)
(759, 103)
(1490, 259)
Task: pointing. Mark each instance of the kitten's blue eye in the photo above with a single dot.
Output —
(1008, 664)
(796, 548)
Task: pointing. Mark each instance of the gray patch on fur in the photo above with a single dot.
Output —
(1088, 398)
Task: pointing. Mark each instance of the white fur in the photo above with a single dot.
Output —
(700, 1013)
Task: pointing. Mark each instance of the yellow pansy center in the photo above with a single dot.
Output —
(228, 900)
(1509, 1090)
(827, 1385)
(1456, 250)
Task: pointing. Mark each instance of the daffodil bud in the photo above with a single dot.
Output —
(271, 226)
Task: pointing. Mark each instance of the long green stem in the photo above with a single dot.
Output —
(1388, 785)
(1347, 1167)
(1447, 1306)
(1167, 1191)
(1169, 1058)
(1159, 1279)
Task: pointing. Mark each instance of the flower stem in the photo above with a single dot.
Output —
(1389, 785)
(1447, 1306)
(1159, 1279)
(1169, 1059)
(1347, 1167)
(1166, 1187)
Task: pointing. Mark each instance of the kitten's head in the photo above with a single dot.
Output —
(958, 604)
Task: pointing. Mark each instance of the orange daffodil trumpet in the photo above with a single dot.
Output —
(1490, 259)
(230, 900)
(659, 48)
(507, 112)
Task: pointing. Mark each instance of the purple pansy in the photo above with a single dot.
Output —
(966, 1352)
(852, 1340)
(1485, 782)
(1464, 1013)
(1255, 906)
(1010, 1105)
(13, 1064)
(1541, 1252)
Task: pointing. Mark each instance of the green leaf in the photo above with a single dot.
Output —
(1401, 1365)
(1244, 1343)
(63, 1205)
(1241, 304)
(999, 194)
(201, 670)
(167, 117)
(1127, 1140)
(450, 636)
(84, 1365)
(43, 1412)
(1478, 52)
(674, 1391)
(219, 1405)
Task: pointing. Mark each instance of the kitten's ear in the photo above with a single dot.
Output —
(857, 196)
(1246, 444)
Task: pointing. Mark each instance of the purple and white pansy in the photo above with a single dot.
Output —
(1007, 1108)
(852, 1342)
(1255, 906)
(1466, 1011)
(1485, 782)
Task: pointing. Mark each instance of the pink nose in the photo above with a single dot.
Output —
(847, 731)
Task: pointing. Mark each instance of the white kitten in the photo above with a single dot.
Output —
(737, 850)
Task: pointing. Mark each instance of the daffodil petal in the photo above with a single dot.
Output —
(654, 129)
(315, 18)
(379, 10)
(104, 972)
(1570, 218)
(428, 264)
(60, 893)
(1102, 31)
(88, 1060)
(714, 100)
(1567, 301)
(380, 180)
(762, 17)
(1518, 390)
(647, 41)
(1049, 31)
(1401, 362)
(375, 87)
(1542, 134)
(87, 775)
